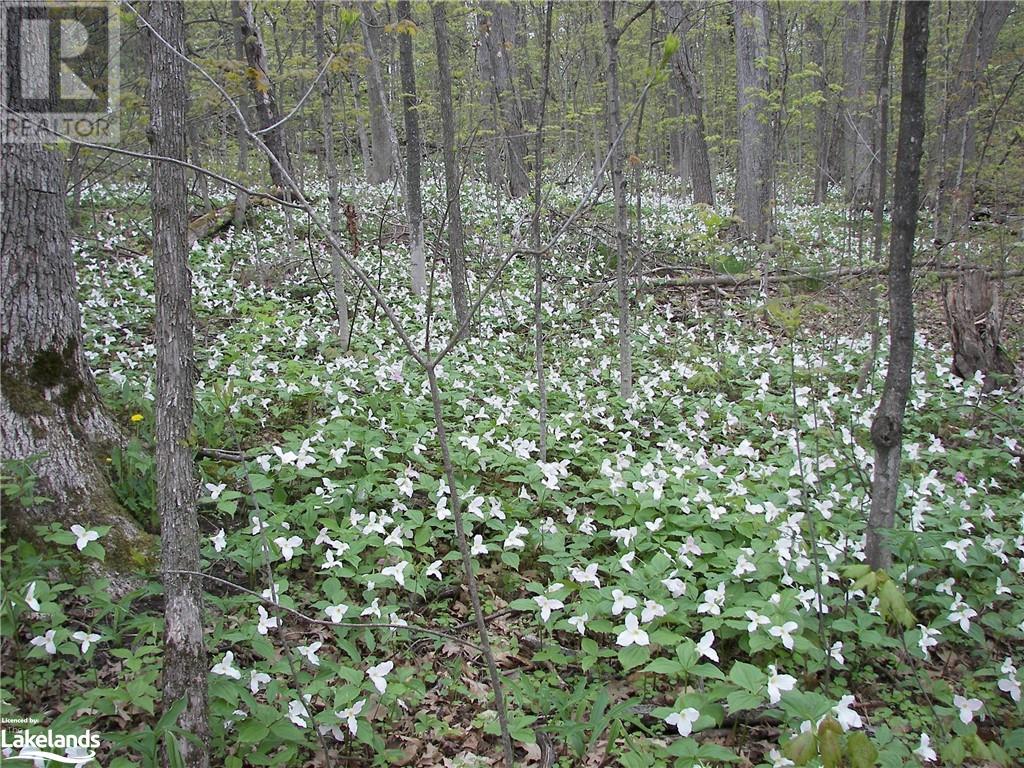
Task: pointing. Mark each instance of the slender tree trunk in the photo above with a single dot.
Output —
(886, 35)
(956, 183)
(51, 416)
(695, 145)
(384, 143)
(263, 94)
(887, 427)
(364, 141)
(755, 168)
(856, 116)
(456, 236)
(413, 149)
(492, 152)
(816, 33)
(611, 38)
(184, 661)
(241, 196)
(331, 165)
(500, 42)
(538, 275)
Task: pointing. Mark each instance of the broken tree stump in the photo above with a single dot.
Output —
(972, 312)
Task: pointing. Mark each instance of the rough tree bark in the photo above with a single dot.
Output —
(887, 427)
(855, 111)
(456, 235)
(956, 181)
(611, 46)
(692, 93)
(413, 149)
(975, 323)
(184, 660)
(331, 163)
(263, 93)
(755, 167)
(51, 416)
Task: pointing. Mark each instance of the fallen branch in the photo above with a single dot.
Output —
(787, 276)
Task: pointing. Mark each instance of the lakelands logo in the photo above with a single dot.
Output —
(61, 70)
(61, 748)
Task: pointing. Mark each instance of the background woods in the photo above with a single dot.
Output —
(542, 383)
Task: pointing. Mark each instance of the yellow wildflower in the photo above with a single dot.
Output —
(136, 418)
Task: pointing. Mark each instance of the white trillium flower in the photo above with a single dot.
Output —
(297, 711)
(309, 652)
(434, 569)
(256, 680)
(925, 752)
(216, 490)
(847, 716)
(336, 612)
(967, 708)
(778, 684)
(684, 720)
(30, 597)
(225, 667)
(288, 545)
(478, 548)
(586, 575)
(86, 639)
(46, 642)
(219, 541)
(547, 605)
(704, 647)
(378, 673)
(652, 610)
(350, 714)
(632, 634)
(756, 620)
(621, 601)
(83, 537)
(784, 633)
(266, 622)
(580, 622)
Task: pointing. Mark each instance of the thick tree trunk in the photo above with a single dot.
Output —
(383, 142)
(856, 112)
(413, 150)
(263, 95)
(611, 44)
(51, 416)
(331, 165)
(456, 236)
(887, 427)
(975, 323)
(755, 167)
(184, 661)
(956, 182)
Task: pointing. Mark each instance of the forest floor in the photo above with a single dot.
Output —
(679, 581)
